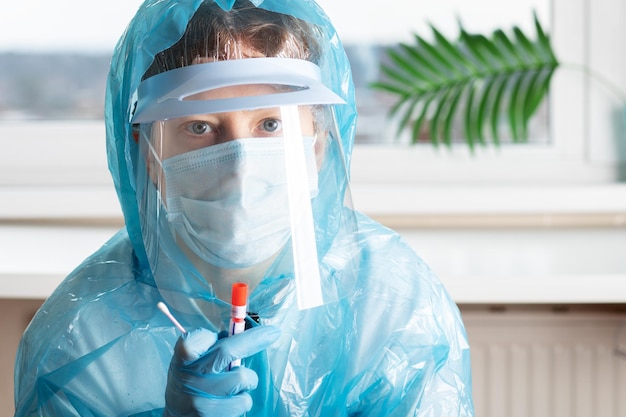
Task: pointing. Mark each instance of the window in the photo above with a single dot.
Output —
(587, 133)
(367, 47)
(586, 120)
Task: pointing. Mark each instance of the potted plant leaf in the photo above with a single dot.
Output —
(476, 79)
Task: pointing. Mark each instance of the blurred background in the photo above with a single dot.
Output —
(529, 237)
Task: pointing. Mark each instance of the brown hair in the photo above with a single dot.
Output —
(246, 31)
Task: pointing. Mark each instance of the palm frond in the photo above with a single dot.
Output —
(483, 80)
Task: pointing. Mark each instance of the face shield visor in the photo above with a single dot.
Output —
(242, 178)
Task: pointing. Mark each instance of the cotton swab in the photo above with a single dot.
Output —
(169, 315)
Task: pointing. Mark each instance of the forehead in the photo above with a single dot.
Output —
(246, 90)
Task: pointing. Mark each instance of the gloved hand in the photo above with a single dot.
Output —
(199, 383)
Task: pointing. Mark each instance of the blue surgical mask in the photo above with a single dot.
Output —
(228, 203)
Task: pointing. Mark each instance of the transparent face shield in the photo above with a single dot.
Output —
(242, 178)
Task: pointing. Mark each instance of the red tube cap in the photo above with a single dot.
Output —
(239, 294)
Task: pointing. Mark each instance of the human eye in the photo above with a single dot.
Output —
(198, 127)
(270, 126)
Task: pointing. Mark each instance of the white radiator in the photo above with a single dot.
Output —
(541, 363)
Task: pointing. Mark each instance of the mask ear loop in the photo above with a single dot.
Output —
(306, 268)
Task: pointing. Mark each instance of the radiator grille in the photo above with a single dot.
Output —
(546, 364)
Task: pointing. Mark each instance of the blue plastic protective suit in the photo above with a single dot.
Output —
(393, 345)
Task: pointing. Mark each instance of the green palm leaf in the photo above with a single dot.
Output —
(484, 81)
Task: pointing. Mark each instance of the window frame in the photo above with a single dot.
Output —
(580, 32)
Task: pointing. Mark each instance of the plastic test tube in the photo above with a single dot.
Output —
(239, 304)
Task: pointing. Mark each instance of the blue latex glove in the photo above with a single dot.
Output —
(199, 383)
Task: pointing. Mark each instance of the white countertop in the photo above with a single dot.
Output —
(575, 262)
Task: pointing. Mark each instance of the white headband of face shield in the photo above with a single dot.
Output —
(166, 95)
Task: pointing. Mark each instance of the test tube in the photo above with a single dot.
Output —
(239, 304)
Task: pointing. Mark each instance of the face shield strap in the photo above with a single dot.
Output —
(304, 247)
(166, 95)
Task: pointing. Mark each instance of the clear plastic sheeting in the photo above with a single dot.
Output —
(383, 338)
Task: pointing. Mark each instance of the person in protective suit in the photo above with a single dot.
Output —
(230, 125)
